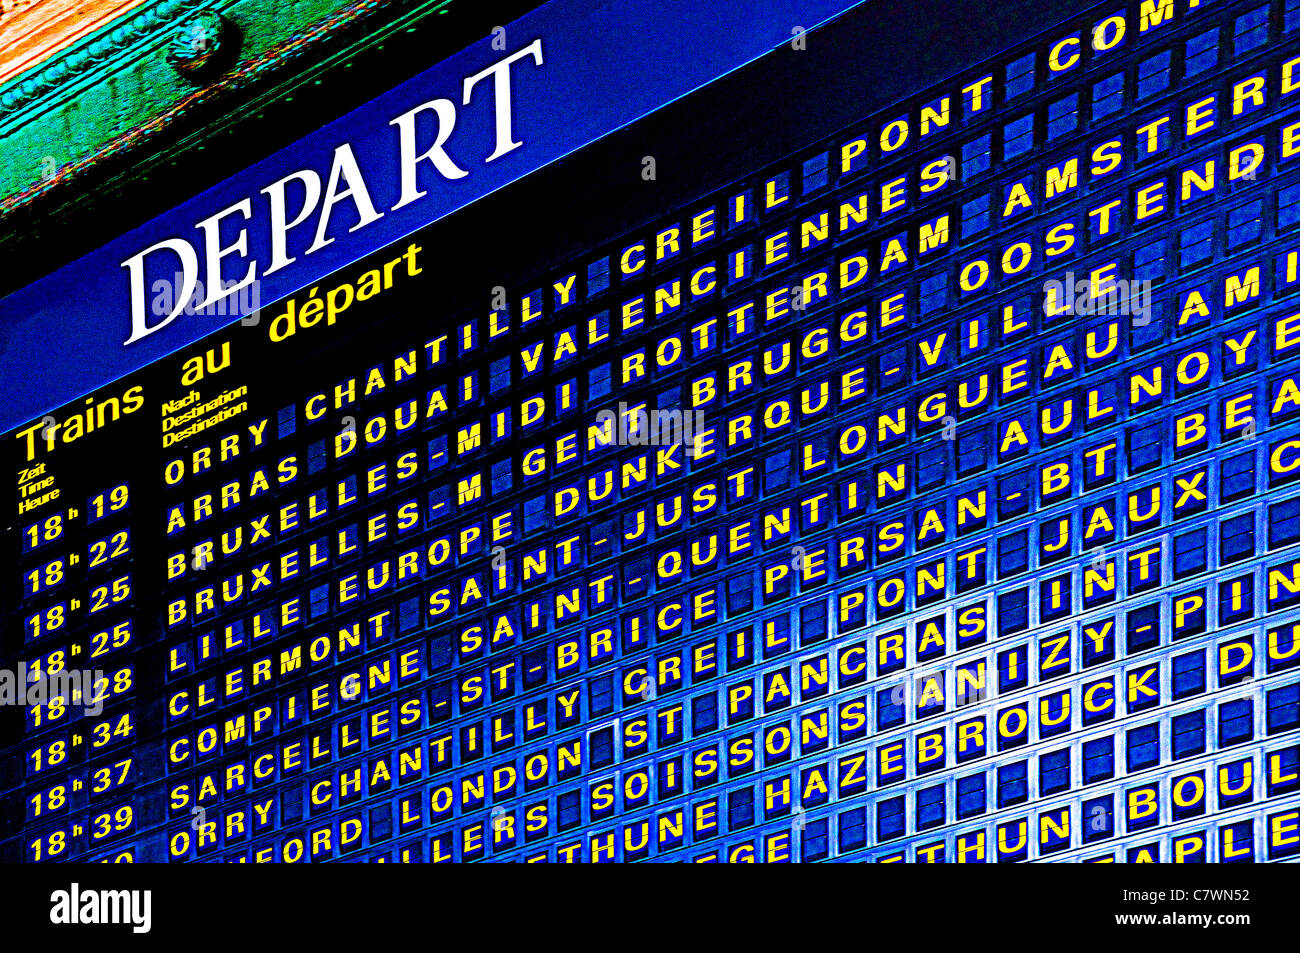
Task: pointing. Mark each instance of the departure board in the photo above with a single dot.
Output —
(928, 495)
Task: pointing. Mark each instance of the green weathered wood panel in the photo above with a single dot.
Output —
(110, 84)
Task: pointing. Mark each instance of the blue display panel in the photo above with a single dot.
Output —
(558, 78)
(925, 496)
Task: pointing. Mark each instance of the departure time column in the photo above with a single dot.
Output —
(68, 699)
